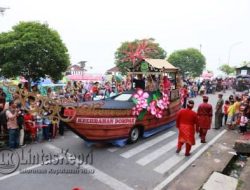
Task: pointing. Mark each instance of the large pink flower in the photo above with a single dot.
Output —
(136, 111)
(156, 107)
(161, 104)
(165, 99)
(159, 113)
(152, 107)
(155, 110)
(140, 94)
(141, 98)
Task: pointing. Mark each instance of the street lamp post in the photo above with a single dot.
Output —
(3, 9)
(230, 50)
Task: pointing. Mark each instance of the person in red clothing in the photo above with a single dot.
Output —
(29, 125)
(119, 88)
(186, 123)
(185, 94)
(95, 89)
(204, 118)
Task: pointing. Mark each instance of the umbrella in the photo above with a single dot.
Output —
(46, 81)
(206, 75)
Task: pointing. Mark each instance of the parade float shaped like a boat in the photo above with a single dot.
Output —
(132, 114)
(124, 117)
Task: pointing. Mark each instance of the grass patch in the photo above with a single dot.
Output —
(240, 184)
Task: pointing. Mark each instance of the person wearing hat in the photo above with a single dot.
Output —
(186, 122)
(204, 118)
(218, 112)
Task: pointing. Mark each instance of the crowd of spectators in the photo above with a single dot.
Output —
(201, 87)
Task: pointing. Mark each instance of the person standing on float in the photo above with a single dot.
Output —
(186, 122)
(204, 116)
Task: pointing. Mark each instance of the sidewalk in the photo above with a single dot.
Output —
(215, 158)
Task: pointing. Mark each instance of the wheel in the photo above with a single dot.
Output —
(134, 134)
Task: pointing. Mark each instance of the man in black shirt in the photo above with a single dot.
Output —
(139, 82)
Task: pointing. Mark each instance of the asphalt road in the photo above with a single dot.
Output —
(67, 162)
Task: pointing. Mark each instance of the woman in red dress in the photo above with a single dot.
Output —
(186, 122)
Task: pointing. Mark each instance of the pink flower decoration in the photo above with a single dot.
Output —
(135, 111)
(141, 101)
(161, 104)
(156, 107)
(165, 100)
(159, 113)
(140, 95)
(152, 107)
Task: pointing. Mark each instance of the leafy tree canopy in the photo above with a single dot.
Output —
(33, 50)
(227, 69)
(245, 63)
(188, 60)
(210, 71)
(130, 53)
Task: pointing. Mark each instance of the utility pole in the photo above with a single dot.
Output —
(230, 49)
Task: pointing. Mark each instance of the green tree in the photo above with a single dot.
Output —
(245, 63)
(188, 60)
(33, 50)
(225, 68)
(134, 52)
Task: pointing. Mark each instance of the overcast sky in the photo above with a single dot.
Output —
(93, 29)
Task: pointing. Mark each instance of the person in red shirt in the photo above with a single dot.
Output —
(119, 88)
(186, 123)
(29, 125)
(185, 94)
(204, 118)
(95, 89)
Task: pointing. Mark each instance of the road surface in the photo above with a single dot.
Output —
(67, 162)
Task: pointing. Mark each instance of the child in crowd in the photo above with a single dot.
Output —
(243, 123)
(30, 125)
(230, 113)
(20, 123)
(225, 111)
(39, 127)
(54, 127)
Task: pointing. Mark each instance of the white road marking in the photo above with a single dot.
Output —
(157, 153)
(113, 149)
(188, 162)
(98, 174)
(173, 160)
(76, 136)
(146, 145)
